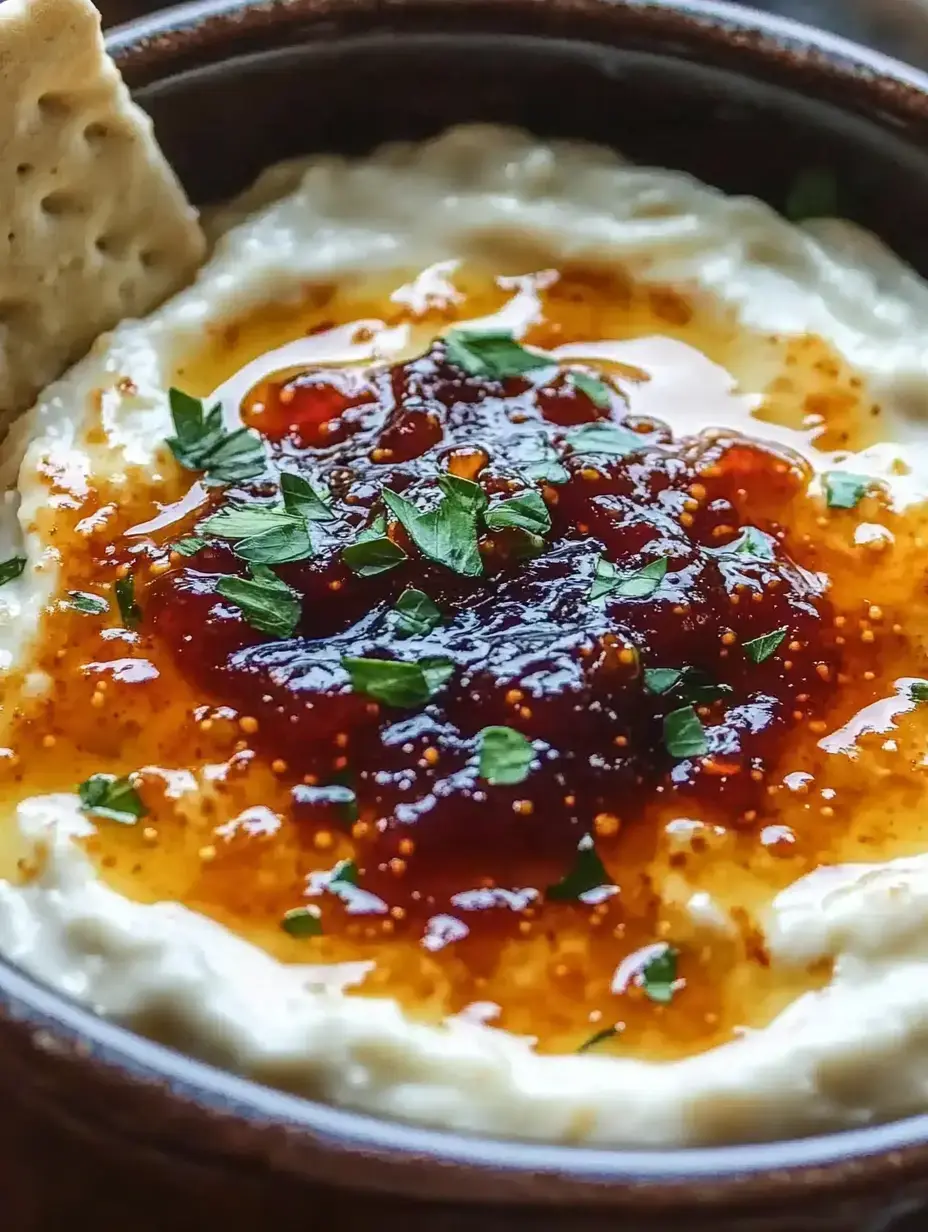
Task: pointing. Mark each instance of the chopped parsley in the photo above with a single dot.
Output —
(394, 683)
(272, 534)
(83, 601)
(415, 614)
(341, 793)
(492, 353)
(338, 796)
(300, 497)
(659, 975)
(345, 872)
(588, 874)
(813, 194)
(761, 648)
(752, 543)
(262, 534)
(547, 467)
(594, 387)
(129, 611)
(446, 534)
(659, 680)
(843, 490)
(302, 922)
(607, 1033)
(188, 546)
(201, 442)
(12, 568)
(684, 735)
(236, 521)
(281, 546)
(267, 603)
(638, 584)
(690, 684)
(373, 551)
(605, 438)
(105, 795)
(506, 756)
(526, 512)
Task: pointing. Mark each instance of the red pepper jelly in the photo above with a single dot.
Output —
(526, 685)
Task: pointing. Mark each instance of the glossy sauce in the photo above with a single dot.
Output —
(452, 907)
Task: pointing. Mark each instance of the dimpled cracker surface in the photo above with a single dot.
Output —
(94, 226)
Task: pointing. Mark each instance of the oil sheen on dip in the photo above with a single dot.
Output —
(702, 636)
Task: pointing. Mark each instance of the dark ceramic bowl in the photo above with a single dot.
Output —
(99, 1125)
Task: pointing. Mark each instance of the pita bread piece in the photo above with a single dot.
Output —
(94, 226)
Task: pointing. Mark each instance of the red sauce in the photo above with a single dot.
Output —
(452, 902)
(530, 649)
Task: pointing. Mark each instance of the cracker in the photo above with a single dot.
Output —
(94, 226)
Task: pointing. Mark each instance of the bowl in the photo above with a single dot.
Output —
(98, 1123)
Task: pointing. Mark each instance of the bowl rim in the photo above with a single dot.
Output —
(150, 39)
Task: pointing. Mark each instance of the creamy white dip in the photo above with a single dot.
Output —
(849, 1053)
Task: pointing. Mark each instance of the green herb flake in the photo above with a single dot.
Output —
(345, 872)
(300, 497)
(337, 797)
(659, 975)
(376, 530)
(404, 685)
(415, 614)
(588, 874)
(188, 546)
(492, 353)
(262, 534)
(302, 922)
(373, 551)
(660, 680)
(448, 533)
(267, 603)
(12, 568)
(690, 684)
(201, 442)
(547, 467)
(684, 735)
(918, 690)
(605, 438)
(235, 521)
(505, 756)
(282, 546)
(188, 417)
(594, 387)
(346, 804)
(761, 648)
(526, 512)
(129, 611)
(752, 543)
(90, 605)
(368, 557)
(639, 584)
(340, 792)
(843, 490)
(115, 799)
(239, 456)
(814, 194)
(607, 1033)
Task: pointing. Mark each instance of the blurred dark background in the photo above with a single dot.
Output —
(897, 26)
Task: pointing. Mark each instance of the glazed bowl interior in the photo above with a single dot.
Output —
(741, 101)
